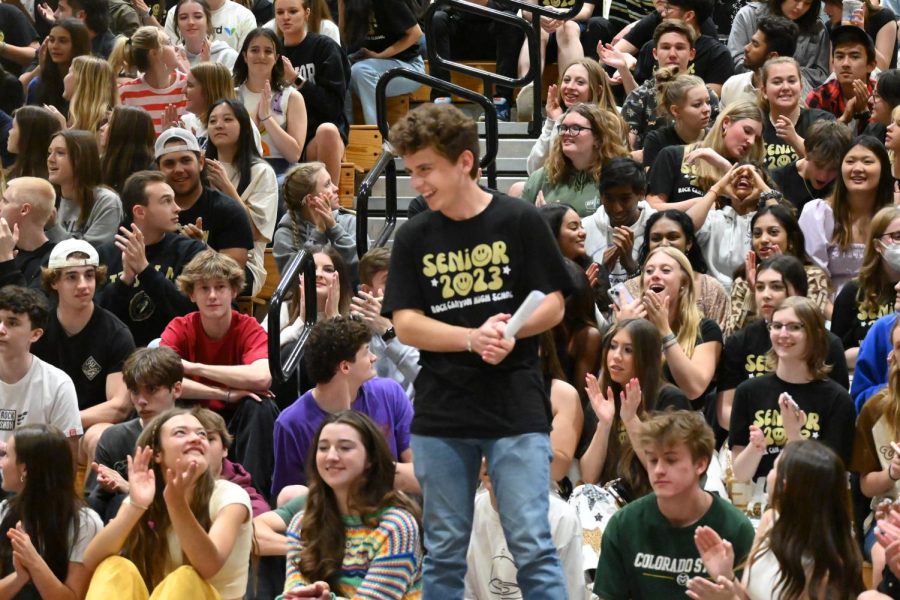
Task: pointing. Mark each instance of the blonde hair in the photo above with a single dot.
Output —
(207, 266)
(299, 182)
(764, 76)
(215, 82)
(606, 127)
(895, 117)
(133, 53)
(874, 284)
(37, 192)
(95, 93)
(889, 399)
(601, 93)
(672, 88)
(707, 175)
(688, 312)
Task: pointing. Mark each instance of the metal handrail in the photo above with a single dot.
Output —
(387, 166)
(532, 35)
(302, 261)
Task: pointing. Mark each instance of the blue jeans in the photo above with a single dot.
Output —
(519, 467)
(364, 76)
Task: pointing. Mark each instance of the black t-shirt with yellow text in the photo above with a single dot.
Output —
(462, 273)
(830, 415)
(779, 153)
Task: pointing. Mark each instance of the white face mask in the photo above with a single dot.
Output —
(891, 255)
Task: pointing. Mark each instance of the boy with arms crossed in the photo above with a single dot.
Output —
(457, 273)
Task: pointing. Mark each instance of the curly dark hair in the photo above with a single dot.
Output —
(330, 342)
(21, 301)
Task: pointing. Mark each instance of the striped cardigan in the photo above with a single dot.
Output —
(382, 562)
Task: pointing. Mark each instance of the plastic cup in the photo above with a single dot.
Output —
(849, 14)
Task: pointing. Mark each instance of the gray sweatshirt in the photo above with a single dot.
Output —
(342, 236)
(812, 48)
(101, 225)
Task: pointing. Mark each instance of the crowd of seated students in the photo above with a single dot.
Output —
(721, 216)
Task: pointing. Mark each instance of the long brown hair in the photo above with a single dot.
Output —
(601, 93)
(129, 146)
(323, 538)
(607, 129)
(645, 343)
(37, 126)
(147, 546)
(85, 158)
(820, 540)
(47, 506)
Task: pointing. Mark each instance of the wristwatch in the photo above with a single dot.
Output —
(389, 335)
(299, 81)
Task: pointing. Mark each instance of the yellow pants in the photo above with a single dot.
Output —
(117, 577)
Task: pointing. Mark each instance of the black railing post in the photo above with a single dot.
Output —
(532, 35)
(385, 164)
(302, 262)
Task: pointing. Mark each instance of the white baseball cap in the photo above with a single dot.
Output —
(59, 256)
(188, 142)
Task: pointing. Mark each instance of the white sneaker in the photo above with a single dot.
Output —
(525, 103)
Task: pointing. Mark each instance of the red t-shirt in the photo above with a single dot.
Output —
(245, 342)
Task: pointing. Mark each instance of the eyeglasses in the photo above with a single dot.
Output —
(791, 327)
(571, 129)
(893, 235)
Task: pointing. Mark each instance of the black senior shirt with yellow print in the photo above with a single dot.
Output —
(778, 152)
(670, 175)
(462, 273)
(830, 415)
(744, 356)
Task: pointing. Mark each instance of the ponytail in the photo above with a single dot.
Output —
(133, 54)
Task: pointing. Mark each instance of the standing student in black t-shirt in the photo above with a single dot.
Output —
(763, 419)
(870, 296)
(317, 66)
(812, 177)
(744, 356)
(630, 387)
(457, 273)
(380, 35)
(691, 343)
(785, 118)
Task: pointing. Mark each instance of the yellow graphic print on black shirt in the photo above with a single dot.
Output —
(459, 273)
(779, 155)
(769, 421)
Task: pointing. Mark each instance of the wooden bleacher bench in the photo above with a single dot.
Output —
(249, 304)
(423, 94)
(397, 106)
(363, 147)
